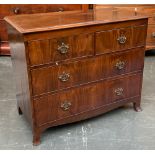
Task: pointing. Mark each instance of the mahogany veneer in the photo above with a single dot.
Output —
(73, 66)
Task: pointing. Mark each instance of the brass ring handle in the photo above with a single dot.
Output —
(153, 34)
(63, 48)
(16, 10)
(121, 39)
(119, 91)
(120, 65)
(65, 105)
(64, 77)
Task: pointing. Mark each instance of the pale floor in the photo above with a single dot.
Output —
(122, 128)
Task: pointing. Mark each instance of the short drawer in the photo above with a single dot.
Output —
(58, 49)
(120, 39)
(50, 79)
(69, 103)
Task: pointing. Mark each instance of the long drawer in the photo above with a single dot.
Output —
(50, 79)
(68, 103)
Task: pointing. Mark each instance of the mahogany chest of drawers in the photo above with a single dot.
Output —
(73, 66)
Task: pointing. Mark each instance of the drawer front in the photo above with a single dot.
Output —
(49, 79)
(151, 35)
(58, 49)
(74, 101)
(124, 88)
(15, 9)
(121, 39)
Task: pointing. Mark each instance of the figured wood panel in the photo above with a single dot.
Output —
(108, 41)
(124, 88)
(104, 41)
(49, 108)
(139, 35)
(46, 79)
(46, 51)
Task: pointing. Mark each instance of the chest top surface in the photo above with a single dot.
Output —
(69, 19)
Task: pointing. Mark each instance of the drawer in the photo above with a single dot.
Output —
(69, 103)
(124, 88)
(121, 39)
(15, 9)
(58, 49)
(50, 79)
(151, 35)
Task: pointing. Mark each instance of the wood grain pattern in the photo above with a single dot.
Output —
(59, 20)
(88, 78)
(46, 51)
(48, 108)
(140, 35)
(46, 79)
